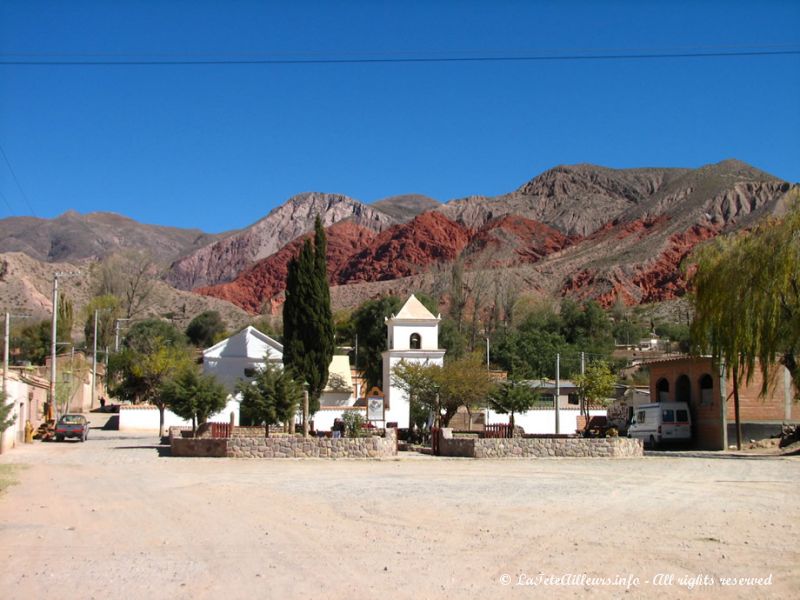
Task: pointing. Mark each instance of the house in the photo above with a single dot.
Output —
(708, 389)
(413, 337)
(28, 393)
(240, 356)
(542, 417)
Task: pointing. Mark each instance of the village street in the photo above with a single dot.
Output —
(111, 518)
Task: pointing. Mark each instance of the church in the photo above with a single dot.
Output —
(412, 336)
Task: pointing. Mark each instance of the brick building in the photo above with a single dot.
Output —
(702, 383)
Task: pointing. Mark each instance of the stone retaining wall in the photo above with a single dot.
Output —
(283, 446)
(198, 447)
(298, 447)
(613, 447)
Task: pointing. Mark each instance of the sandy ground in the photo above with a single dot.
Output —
(111, 518)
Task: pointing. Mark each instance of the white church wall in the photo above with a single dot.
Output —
(429, 336)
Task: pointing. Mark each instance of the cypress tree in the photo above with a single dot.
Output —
(307, 317)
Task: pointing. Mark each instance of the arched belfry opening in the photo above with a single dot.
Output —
(415, 341)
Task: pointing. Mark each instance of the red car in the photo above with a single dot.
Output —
(72, 426)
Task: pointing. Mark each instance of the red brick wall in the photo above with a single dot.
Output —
(706, 415)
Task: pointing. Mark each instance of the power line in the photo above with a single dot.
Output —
(14, 175)
(8, 204)
(396, 59)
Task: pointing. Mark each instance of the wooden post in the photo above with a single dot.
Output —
(305, 412)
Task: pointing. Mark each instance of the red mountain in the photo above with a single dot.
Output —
(406, 249)
(511, 240)
(258, 288)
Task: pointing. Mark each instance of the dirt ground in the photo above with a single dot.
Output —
(112, 518)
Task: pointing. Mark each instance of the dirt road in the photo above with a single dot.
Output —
(112, 519)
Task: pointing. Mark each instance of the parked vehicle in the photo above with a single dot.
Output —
(72, 426)
(663, 422)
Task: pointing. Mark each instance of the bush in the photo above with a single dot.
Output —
(353, 424)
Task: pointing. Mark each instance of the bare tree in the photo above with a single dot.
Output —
(131, 277)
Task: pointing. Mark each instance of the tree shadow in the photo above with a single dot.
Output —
(163, 450)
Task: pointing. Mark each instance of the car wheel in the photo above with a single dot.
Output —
(652, 443)
(59, 438)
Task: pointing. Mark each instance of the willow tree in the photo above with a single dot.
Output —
(746, 295)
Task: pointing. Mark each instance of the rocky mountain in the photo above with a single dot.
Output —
(259, 288)
(406, 249)
(26, 288)
(405, 207)
(73, 237)
(575, 199)
(583, 231)
(224, 259)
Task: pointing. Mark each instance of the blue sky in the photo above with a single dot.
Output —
(218, 146)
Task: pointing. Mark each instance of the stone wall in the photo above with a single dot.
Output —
(255, 445)
(297, 447)
(198, 447)
(530, 447)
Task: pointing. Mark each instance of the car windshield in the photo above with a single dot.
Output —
(72, 419)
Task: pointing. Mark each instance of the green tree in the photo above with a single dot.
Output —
(66, 315)
(193, 396)
(270, 397)
(368, 320)
(307, 319)
(529, 352)
(34, 342)
(586, 327)
(746, 296)
(451, 339)
(511, 398)
(153, 351)
(206, 329)
(420, 382)
(146, 336)
(443, 390)
(595, 386)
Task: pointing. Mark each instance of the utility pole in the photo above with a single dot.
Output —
(94, 360)
(116, 333)
(305, 409)
(52, 410)
(5, 356)
(5, 371)
(53, 342)
(558, 391)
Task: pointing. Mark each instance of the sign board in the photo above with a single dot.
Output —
(375, 405)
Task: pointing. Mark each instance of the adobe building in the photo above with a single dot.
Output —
(708, 389)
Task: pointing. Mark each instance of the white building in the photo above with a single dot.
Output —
(412, 336)
(240, 355)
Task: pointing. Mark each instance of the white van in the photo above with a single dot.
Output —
(661, 422)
